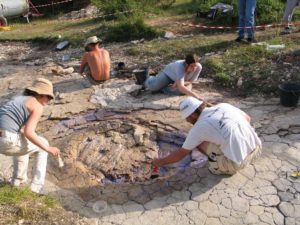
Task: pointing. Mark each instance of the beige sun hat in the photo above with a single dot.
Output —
(92, 40)
(42, 86)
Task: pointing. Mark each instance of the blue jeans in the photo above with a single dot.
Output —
(246, 10)
(158, 82)
(161, 82)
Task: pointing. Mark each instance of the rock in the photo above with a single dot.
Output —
(267, 218)
(214, 221)
(210, 209)
(138, 41)
(62, 45)
(282, 184)
(285, 196)
(240, 204)
(169, 35)
(278, 218)
(61, 71)
(270, 200)
(251, 218)
(197, 217)
(226, 202)
(88, 12)
(287, 209)
(66, 57)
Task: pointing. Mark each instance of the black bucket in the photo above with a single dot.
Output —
(141, 75)
(289, 94)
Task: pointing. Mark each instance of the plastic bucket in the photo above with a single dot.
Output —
(289, 94)
(141, 75)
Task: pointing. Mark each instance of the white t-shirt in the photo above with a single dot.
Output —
(226, 126)
(176, 71)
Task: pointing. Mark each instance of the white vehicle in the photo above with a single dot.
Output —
(13, 8)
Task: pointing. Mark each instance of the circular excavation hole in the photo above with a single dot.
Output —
(108, 157)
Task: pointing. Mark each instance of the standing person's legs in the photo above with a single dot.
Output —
(250, 18)
(241, 12)
(158, 82)
(288, 12)
(39, 166)
(20, 170)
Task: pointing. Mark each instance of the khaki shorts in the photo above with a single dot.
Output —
(88, 76)
(223, 165)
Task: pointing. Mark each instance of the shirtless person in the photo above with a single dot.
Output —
(97, 59)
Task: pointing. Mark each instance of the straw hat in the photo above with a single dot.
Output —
(92, 40)
(42, 86)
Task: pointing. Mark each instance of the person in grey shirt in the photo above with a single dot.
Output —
(177, 77)
(18, 121)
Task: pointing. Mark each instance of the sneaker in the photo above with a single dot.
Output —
(19, 183)
(37, 188)
(239, 39)
(251, 40)
(286, 30)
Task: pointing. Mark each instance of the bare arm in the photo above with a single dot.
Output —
(245, 115)
(172, 157)
(83, 64)
(36, 110)
(184, 90)
(248, 118)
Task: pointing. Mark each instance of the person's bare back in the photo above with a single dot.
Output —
(98, 61)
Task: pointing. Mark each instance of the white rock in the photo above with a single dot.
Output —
(169, 35)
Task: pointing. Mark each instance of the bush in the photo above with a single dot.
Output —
(56, 9)
(113, 6)
(267, 11)
(130, 29)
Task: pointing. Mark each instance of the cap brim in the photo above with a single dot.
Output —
(86, 44)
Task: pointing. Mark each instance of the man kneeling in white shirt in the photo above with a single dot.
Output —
(222, 132)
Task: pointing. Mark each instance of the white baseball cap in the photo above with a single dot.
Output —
(188, 106)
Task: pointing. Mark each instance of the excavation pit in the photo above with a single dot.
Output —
(108, 156)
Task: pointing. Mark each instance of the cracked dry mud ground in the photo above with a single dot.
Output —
(262, 193)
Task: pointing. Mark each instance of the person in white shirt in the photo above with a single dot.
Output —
(222, 132)
(177, 77)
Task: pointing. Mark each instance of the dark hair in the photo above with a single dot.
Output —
(27, 92)
(87, 48)
(202, 107)
(191, 58)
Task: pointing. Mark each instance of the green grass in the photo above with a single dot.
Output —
(21, 203)
(178, 48)
(13, 195)
(76, 32)
(120, 29)
(254, 64)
